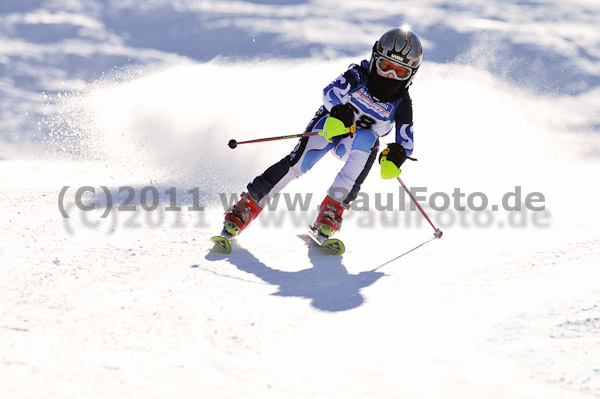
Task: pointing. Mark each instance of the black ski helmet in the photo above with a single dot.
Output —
(402, 47)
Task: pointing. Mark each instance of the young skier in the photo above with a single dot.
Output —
(372, 97)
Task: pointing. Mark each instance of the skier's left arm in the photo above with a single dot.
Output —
(392, 157)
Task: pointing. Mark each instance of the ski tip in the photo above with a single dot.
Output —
(334, 245)
(222, 243)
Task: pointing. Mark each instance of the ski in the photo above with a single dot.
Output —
(223, 241)
(332, 244)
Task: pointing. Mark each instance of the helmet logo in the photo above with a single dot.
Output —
(402, 53)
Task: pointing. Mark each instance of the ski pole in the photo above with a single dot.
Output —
(438, 233)
(233, 143)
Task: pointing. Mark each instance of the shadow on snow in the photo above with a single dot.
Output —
(327, 284)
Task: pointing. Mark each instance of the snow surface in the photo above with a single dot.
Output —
(138, 304)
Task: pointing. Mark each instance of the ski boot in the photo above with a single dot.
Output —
(329, 220)
(239, 216)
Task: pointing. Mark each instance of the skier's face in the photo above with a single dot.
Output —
(388, 75)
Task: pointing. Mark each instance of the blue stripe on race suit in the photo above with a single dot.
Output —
(404, 136)
(338, 89)
(320, 124)
(331, 100)
(340, 151)
(313, 156)
(317, 150)
(364, 141)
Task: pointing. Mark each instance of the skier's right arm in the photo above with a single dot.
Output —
(334, 99)
(335, 93)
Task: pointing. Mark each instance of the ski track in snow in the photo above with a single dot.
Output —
(139, 304)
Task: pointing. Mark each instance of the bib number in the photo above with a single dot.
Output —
(364, 121)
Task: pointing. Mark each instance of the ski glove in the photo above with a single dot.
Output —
(343, 112)
(391, 159)
(335, 128)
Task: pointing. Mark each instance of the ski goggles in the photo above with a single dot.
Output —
(385, 66)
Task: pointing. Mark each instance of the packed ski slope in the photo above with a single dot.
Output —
(139, 304)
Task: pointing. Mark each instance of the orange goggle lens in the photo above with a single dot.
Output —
(400, 72)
